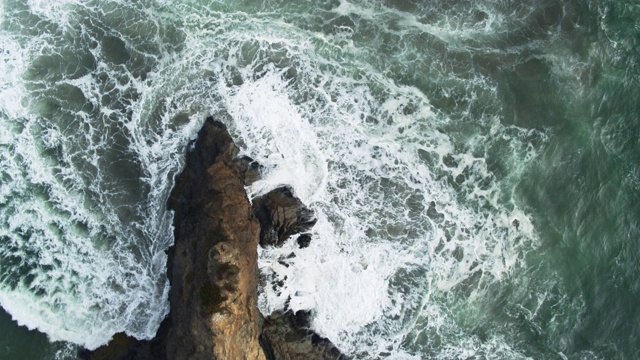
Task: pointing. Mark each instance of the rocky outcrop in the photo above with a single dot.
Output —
(216, 229)
(214, 267)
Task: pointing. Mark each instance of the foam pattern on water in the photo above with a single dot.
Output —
(405, 159)
(86, 168)
(409, 213)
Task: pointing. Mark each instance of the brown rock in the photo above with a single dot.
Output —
(281, 215)
(214, 268)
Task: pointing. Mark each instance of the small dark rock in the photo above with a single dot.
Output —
(304, 240)
(281, 215)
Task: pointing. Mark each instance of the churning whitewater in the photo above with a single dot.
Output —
(406, 126)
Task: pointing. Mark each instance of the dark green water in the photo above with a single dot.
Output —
(19, 343)
(474, 166)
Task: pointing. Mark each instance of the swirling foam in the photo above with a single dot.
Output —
(413, 217)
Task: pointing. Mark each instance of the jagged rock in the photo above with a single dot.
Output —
(288, 338)
(281, 215)
(214, 267)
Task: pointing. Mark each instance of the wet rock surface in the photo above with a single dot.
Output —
(123, 347)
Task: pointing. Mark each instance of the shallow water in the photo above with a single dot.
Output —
(473, 167)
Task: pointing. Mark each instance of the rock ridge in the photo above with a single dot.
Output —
(214, 271)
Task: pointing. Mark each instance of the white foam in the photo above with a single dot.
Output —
(76, 263)
(360, 179)
(408, 214)
(280, 137)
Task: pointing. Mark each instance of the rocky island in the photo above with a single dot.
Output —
(213, 266)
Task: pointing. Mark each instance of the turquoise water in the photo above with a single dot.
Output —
(473, 166)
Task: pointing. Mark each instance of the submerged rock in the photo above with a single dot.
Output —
(123, 347)
(304, 240)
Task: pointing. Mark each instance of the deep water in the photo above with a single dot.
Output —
(474, 166)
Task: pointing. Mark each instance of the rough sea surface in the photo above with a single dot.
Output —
(474, 166)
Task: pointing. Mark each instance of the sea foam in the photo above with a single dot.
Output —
(414, 223)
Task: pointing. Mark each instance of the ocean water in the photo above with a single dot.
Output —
(474, 167)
